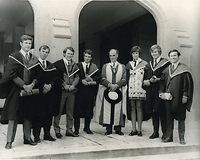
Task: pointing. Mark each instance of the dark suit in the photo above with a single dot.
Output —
(68, 77)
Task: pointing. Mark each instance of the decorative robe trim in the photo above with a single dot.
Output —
(161, 63)
(33, 63)
(181, 68)
(103, 107)
(135, 90)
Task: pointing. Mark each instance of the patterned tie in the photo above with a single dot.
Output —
(69, 66)
(27, 56)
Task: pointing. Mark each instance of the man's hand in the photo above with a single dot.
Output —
(154, 79)
(47, 88)
(113, 87)
(28, 88)
(184, 99)
(88, 79)
(84, 82)
(146, 83)
(66, 87)
(71, 88)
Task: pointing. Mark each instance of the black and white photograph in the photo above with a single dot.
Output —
(100, 79)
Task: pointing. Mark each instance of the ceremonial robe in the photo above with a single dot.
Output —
(85, 96)
(103, 107)
(17, 107)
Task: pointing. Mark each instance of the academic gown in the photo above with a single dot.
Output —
(71, 78)
(103, 107)
(179, 83)
(153, 102)
(139, 68)
(86, 94)
(16, 107)
(47, 101)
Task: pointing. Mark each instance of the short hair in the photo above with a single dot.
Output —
(135, 49)
(174, 50)
(114, 50)
(44, 47)
(25, 37)
(88, 51)
(70, 48)
(155, 46)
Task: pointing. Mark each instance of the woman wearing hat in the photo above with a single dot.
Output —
(136, 94)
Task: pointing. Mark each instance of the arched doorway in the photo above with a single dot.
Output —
(115, 24)
(16, 19)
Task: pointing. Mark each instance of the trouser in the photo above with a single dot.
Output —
(11, 131)
(46, 126)
(109, 128)
(170, 122)
(157, 117)
(67, 102)
(86, 124)
(27, 125)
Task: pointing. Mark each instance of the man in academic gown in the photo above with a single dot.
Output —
(68, 80)
(111, 97)
(154, 105)
(86, 94)
(176, 88)
(46, 98)
(21, 74)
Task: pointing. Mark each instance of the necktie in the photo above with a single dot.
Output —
(173, 67)
(43, 64)
(87, 68)
(114, 69)
(155, 63)
(27, 56)
(69, 66)
(134, 62)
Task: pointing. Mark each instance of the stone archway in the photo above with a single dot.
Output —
(163, 30)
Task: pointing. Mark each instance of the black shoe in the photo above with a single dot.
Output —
(58, 135)
(8, 145)
(76, 133)
(119, 133)
(71, 134)
(108, 133)
(30, 142)
(49, 138)
(154, 135)
(139, 134)
(88, 131)
(37, 140)
(182, 141)
(133, 133)
(168, 139)
(164, 136)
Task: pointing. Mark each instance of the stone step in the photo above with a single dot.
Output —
(121, 153)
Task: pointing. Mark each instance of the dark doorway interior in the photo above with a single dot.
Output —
(141, 31)
(115, 24)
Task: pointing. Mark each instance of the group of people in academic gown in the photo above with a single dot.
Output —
(36, 90)
(167, 92)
